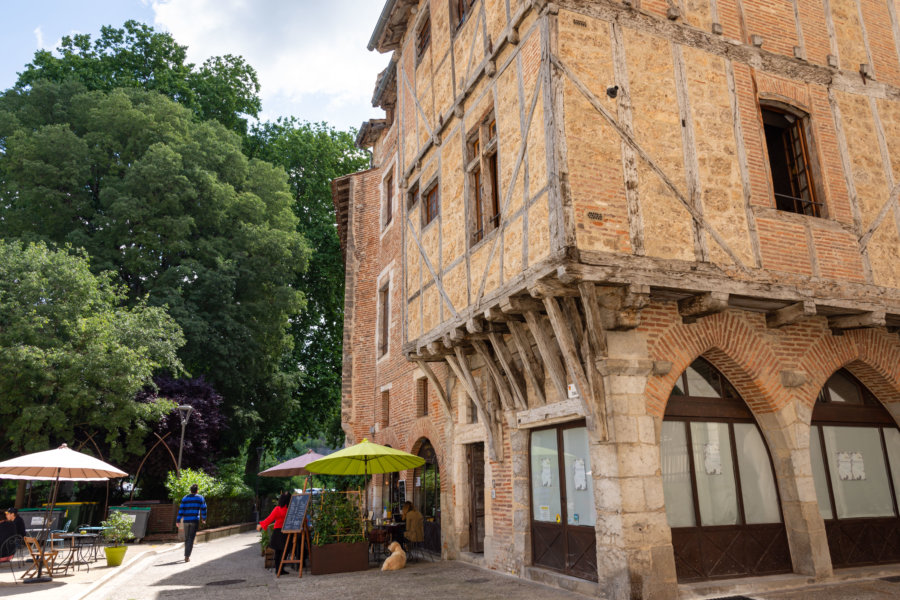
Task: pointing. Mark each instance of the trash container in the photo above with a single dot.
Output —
(34, 519)
(140, 518)
(79, 513)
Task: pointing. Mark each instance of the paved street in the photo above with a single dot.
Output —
(231, 568)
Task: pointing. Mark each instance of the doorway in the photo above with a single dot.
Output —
(562, 501)
(475, 462)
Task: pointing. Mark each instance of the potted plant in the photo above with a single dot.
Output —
(338, 534)
(116, 530)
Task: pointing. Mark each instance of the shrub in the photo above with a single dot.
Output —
(179, 487)
(117, 528)
(337, 518)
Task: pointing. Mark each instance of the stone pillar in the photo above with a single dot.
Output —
(634, 542)
(521, 492)
(787, 435)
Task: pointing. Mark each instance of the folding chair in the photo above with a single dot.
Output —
(49, 558)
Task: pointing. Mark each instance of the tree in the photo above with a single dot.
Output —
(224, 88)
(313, 155)
(176, 210)
(72, 354)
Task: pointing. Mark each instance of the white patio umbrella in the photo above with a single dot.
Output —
(62, 464)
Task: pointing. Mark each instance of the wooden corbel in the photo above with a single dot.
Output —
(549, 352)
(791, 314)
(702, 305)
(493, 437)
(532, 367)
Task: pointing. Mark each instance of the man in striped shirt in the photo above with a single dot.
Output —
(191, 513)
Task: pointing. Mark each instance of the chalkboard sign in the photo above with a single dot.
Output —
(296, 512)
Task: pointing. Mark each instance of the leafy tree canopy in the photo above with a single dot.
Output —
(72, 354)
(179, 213)
(224, 88)
(313, 155)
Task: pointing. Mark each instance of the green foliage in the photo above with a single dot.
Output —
(183, 218)
(179, 487)
(72, 355)
(231, 479)
(117, 528)
(313, 155)
(224, 88)
(337, 519)
(264, 536)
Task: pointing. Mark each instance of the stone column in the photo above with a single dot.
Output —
(787, 433)
(634, 542)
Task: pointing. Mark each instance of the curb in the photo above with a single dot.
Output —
(128, 566)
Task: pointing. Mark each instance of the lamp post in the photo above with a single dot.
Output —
(184, 411)
(259, 453)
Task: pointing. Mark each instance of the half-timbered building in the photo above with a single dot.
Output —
(627, 274)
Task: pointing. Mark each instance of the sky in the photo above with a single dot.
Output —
(310, 55)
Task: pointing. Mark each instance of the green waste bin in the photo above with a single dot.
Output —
(139, 522)
(79, 513)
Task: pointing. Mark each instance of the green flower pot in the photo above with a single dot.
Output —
(115, 555)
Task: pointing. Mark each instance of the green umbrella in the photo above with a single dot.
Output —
(365, 458)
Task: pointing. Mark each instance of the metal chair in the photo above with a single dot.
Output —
(9, 551)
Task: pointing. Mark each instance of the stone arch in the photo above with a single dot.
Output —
(733, 347)
(871, 355)
(424, 429)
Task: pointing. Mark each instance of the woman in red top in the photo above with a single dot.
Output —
(276, 542)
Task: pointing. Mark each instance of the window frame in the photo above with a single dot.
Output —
(388, 195)
(460, 11)
(383, 345)
(431, 203)
(423, 36)
(483, 179)
(799, 128)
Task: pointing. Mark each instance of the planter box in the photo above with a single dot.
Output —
(269, 562)
(339, 558)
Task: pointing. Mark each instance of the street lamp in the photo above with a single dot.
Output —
(259, 453)
(184, 411)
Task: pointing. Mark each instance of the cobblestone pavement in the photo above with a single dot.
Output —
(231, 568)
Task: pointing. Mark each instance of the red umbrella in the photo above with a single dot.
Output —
(295, 466)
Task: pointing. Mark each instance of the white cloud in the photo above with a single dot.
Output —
(39, 37)
(301, 50)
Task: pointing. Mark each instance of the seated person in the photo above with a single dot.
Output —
(415, 523)
(12, 514)
(7, 537)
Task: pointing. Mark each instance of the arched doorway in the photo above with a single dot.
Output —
(427, 495)
(854, 448)
(721, 499)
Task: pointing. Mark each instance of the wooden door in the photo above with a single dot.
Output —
(475, 462)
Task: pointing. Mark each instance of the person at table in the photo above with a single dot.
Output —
(415, 523)
(12, 514)
(276, 517)
(7, 536)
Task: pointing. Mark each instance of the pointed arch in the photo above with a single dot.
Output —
(733, 347)
(872, 356)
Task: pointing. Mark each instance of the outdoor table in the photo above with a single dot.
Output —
(82, 549)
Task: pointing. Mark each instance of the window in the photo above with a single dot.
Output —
(788, 144)
(854, 448)
(432, 204)
(388, 199)
(384, 316)
(423, 37)
(385, 408)
(422, 397)
(412, 196)
(484, 179)
(460, 11)
(717, 476)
